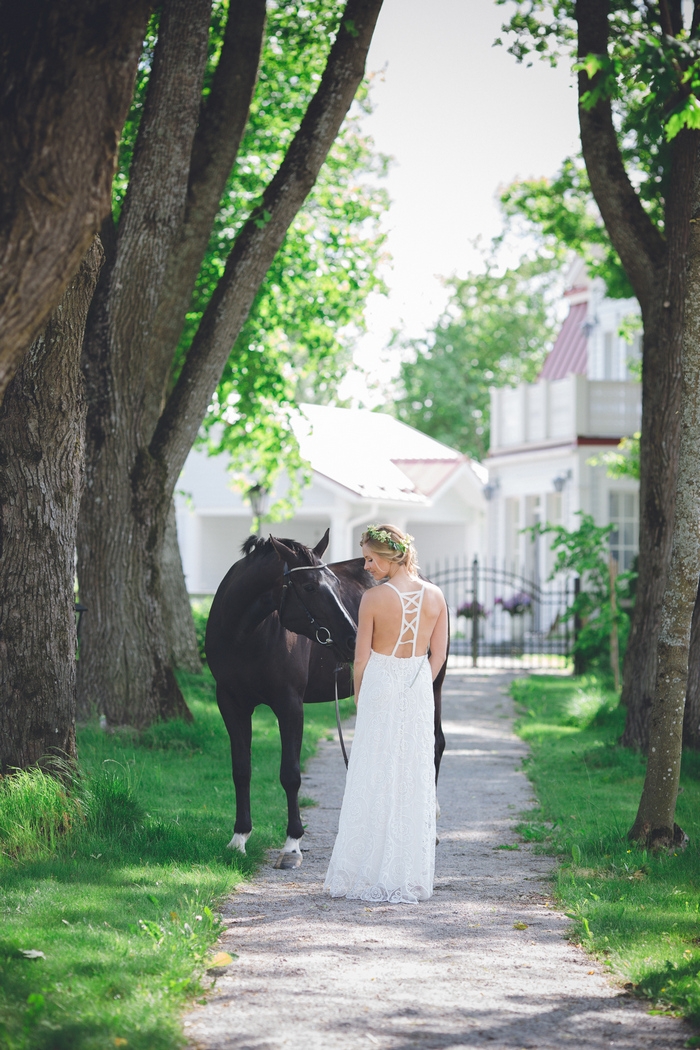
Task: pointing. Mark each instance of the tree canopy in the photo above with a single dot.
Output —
(496, 331)
(296, 343)
(650, 76)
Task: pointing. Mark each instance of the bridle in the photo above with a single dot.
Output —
(289, 582)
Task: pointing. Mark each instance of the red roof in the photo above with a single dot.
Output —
(569, 353)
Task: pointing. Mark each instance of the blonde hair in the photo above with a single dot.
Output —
(397, 547)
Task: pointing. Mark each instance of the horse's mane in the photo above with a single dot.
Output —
(257, 546)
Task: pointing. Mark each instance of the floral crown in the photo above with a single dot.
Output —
(382, 536)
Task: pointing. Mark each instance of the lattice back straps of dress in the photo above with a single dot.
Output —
(411, 604)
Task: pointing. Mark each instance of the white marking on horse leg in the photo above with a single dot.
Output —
(238, 841)
(292, 846)
(437, 810)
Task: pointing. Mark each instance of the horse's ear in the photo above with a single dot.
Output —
(285, 552)
(322, 544)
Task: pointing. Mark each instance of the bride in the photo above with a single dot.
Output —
(385, 849)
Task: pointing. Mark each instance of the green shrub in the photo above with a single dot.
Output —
(110, 803)
(586, 551)
(200, 615)
(36, 811)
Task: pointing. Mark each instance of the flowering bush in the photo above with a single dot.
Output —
(467, 610)
(517, 604)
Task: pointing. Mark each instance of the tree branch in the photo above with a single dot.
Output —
(262, 235)
(637, 241)
(66, 78)
(222, 122)
(695, 23)
(155, 202)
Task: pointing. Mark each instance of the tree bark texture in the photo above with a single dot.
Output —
(67, 73)
(42, 432)
(177, 612)
(654, 824)
(125, 668)
(659, 448)
(220, 128)
(136, 454)
(656, 267)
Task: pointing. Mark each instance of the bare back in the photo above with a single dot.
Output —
(394, 622)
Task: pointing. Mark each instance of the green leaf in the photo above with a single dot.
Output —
(687, 115)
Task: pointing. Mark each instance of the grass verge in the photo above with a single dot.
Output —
(115, 881)
(638, 913)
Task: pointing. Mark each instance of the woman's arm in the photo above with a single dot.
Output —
(363, 643)
(438, 641)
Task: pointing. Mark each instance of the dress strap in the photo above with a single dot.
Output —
(411, 604)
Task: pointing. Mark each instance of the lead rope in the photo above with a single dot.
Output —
(337, 718)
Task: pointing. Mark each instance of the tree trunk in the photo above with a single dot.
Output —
(177, 611)
(658, 467)
(691, 718)
(67, 73)
(125, 667)
(657, 271)
(42, 439)
(659, 447)
(125, 670)
(134, 463)
(654, 824)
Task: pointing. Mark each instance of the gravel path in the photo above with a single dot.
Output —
(321, 974)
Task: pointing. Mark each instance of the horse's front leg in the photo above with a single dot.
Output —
(238, 721)
(290, 717)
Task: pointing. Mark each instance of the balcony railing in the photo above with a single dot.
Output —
(560, 410)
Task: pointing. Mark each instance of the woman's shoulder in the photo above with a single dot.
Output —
(433, 593)
(373, 596)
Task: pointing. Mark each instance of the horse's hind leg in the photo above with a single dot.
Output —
(238, 721)
(290, 716)
(439, 734)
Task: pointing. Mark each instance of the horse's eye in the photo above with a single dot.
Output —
(309, 587)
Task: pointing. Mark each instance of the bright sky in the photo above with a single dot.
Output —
(461, 118)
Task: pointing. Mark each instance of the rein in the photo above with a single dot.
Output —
(317, 628)
(337, 716)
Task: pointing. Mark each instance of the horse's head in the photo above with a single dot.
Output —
(311, 603)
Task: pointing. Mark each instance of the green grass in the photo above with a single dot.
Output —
(116, 879)
(638, 913)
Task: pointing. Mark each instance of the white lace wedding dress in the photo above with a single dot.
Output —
(385, 849)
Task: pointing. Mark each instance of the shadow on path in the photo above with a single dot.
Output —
(320, 974)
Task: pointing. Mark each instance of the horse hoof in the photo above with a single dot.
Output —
(238, 841)
(437, 841)
(288, 860)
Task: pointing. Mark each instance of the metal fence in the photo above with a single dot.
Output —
(500, 618)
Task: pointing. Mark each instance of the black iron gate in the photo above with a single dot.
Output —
(499, 618)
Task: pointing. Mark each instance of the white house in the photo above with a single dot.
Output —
(366, 467)
(544, 434)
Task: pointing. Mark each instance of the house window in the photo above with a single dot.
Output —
(624, 539)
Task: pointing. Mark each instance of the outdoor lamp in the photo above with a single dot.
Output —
(257, 495)
(491, 488)
(561, 480)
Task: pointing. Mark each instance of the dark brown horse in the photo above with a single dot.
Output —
(280, 624)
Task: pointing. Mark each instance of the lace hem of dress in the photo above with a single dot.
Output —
(377, 893)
